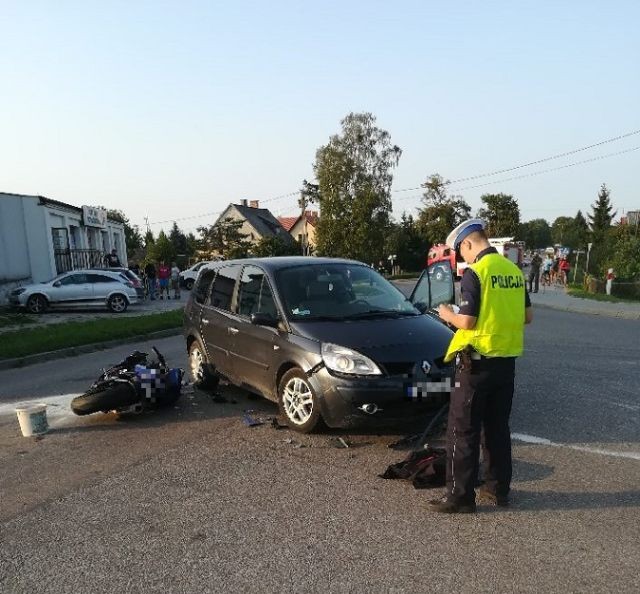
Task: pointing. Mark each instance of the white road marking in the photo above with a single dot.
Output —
(58, 408)
(543, 441)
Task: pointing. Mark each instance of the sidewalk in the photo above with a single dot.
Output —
(556, 298)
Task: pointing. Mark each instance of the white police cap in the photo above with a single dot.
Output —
(462, 230)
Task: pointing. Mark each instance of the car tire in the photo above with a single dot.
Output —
(201, 373)
(117, 303)
(117, 395)
(37, 304)
(188, 284)
(298, 402)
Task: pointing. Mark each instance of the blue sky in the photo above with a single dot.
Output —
(173, 109)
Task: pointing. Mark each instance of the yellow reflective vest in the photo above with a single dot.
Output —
(499, 329)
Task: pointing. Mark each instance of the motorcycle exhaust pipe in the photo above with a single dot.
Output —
(370, 408)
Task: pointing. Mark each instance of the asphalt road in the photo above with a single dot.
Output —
(192, 500)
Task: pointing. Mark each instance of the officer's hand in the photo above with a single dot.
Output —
(445, 310)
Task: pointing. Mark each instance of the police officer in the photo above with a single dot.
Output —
(494, 307)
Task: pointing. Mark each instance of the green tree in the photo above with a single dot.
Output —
(225, 238)
(162, 249)
(581, 230)
(624, 258)
(353, 173)
(562, 231)
(535, 233)
(441, 212)
(149, 239)
(502, 213)
(408, 243)
(571, 231)
(272, 245)
(602, 214)
(178, 239)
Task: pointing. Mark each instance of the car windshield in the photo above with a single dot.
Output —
(339, 292)
(55, 278)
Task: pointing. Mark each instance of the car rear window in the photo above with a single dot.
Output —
(100, 278)
(203, 286)
(222, 290)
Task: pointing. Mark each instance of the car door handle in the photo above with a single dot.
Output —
(205, 321)
(233, 330)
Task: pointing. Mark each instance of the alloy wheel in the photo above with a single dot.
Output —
(118, 304)
(196, 365)
(298, 401)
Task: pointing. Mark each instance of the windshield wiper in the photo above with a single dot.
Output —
(317, 318)
(380, 313)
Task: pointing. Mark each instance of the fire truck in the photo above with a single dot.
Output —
(440, 252)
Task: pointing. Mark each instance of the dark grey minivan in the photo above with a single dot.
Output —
(328, 339)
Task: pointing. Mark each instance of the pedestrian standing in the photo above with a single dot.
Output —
(494, 307)
(164, 273)
(175, 280)
(565, 268)
(610, 277)
(546, 271)
(150, 280)
(534, 273)
(112, 260)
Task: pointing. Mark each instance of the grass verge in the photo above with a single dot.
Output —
(582, 294)
(60, 336)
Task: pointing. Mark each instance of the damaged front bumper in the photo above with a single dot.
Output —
(355, 401)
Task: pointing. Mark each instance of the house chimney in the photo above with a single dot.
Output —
(254, 204)
(243, 202)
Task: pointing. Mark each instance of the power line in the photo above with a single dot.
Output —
(536, 173)
(553, 157)
(537, 162)
(462, 179)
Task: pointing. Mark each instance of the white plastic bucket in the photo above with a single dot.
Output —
(33, 419)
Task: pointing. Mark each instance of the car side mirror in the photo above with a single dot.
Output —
(264, 319)
(421, 306)
(57, 284)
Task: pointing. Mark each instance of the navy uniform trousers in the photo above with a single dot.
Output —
(480, 406)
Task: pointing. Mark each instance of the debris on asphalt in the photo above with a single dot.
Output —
(275, 424)
(293, 442)
(219, 398)
(338, 442)
(424, 469)
(250, 421)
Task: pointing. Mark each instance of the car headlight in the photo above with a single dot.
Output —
(344, 360)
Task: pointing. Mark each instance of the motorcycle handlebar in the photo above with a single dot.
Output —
(160, 357)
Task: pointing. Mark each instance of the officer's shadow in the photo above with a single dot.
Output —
(524, 500)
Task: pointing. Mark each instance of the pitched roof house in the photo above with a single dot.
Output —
(257, 222)
(303, 229)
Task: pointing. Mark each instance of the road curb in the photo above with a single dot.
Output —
(83, 349)
(618, 314)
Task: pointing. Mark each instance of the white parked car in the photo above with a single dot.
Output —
(78, 288)
(188, 277)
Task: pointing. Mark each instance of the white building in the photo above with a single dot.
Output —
(40, 238)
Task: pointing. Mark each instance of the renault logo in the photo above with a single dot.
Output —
(426, 367)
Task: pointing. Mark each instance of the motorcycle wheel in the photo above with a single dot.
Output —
(116, 395)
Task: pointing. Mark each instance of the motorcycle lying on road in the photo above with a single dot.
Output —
(132, 386)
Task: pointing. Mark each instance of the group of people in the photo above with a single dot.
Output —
(159, 280)
(552, 270)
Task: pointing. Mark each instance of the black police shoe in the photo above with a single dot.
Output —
(447, 506)
(485, 496)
